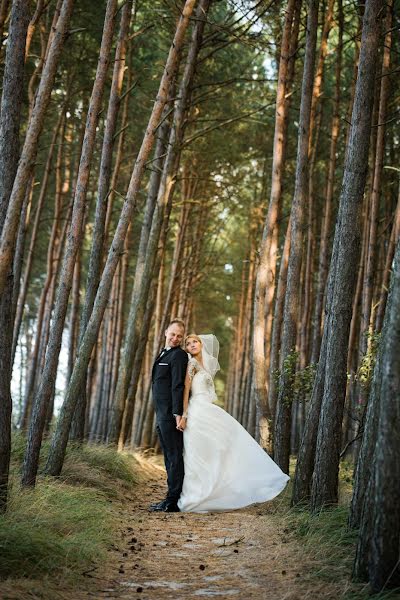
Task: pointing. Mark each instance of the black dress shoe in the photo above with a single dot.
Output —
(171, 507)
(159, 506)
(156, 504)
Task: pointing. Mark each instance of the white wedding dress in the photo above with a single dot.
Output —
(225, 468)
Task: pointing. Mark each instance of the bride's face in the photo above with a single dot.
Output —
(193, 346)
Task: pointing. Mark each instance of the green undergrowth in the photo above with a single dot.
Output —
(325, 544)
(64, 525)
(328, 546)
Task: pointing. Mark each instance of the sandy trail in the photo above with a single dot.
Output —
(238, 554)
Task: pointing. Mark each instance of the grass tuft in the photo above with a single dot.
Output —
(325, 536)
(101, 467)
(54, 528)
(64, 525)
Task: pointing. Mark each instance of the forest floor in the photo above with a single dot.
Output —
(253, 553)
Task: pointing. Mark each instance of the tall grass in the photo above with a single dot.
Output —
(328, 545)
(63, 525)
(325, 545)
(54, 529)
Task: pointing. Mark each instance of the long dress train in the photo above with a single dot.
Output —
(225, 468)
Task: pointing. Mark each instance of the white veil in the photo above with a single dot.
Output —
(210, 353)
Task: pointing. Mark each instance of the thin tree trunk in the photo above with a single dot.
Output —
(98, 240)
(239, 352)
(394, 236)
(45, 302)
(29, 151)
(289, 333)
(137, 368)
(74, 317)
(277, 326)
(151, 201)
(369, 274)
(266, 268)
(35, 228)
(19, 250)
(124, 265)
(11, 106)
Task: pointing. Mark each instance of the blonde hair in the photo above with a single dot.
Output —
(193, 336)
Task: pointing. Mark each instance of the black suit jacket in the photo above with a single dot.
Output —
(168, 378)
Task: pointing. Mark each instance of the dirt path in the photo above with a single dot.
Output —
(239, 554)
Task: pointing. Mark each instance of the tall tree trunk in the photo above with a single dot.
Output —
(266, 268)
(289, 333)
(11, 106)
(29, 150)
(369, 274)
(98, 243)
(347, 241)
(327, 218)
(45, 306)
(35, 228)
(20, 249)
(151, 201)
(238, 354)
(60, 439)
(74, 316)
(277, 326)
(377, 554)
(46, 387)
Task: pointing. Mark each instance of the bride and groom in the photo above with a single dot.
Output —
(212, 463)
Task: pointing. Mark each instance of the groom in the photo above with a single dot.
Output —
(168, 379)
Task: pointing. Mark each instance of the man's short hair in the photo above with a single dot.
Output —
(177, 322)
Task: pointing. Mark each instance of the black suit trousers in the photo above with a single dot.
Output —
(171, 441)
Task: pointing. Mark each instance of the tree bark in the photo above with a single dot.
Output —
(267, 265)
(98, 241)
(347, 240)
(35, 228)
(289, 333)
(377, 553)
(369, 274)
(45, 305)
(11, 106)
(327, 219)
(277, 326)
(394, 236)
(29, 150)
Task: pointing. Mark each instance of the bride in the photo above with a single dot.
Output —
(225, 468)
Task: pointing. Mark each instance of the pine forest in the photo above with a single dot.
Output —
(234, 164)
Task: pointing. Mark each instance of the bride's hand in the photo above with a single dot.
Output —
(182, 424)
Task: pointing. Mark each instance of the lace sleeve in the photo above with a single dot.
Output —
(192, 368)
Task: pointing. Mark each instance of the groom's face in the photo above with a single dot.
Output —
(174, 335)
